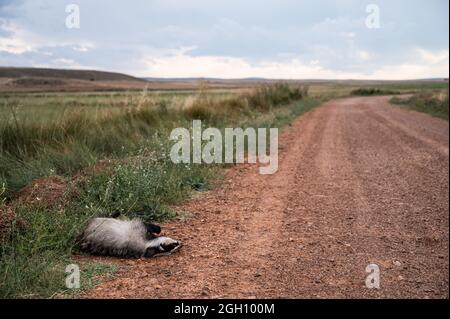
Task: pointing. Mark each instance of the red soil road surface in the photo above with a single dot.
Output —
(359, 182)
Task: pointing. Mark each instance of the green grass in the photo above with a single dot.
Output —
(57, 134)
(33, 261)
(426, 102)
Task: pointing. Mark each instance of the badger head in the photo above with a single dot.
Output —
(161, 246)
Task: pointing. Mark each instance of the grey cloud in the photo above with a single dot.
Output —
(332, 32)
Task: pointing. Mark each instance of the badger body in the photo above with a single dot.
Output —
(125, 238)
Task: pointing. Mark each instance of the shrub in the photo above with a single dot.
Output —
(372, 91)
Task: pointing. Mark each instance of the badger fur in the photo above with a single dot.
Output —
(125, 238)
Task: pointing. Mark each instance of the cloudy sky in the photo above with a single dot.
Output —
(232, 38)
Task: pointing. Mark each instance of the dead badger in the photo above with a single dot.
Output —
(125, 238)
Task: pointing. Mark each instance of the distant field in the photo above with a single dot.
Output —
(334, 89)
(50, 80)
(48, 107)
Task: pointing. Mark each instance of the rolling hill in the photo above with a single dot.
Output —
(14, 79)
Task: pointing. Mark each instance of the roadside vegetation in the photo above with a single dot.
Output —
(433, 103)
(65, 158)
(373, 92)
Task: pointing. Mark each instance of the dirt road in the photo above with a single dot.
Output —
(359, 182)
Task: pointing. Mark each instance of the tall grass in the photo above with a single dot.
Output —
(76, 139)
(433, 103)
(139, 181)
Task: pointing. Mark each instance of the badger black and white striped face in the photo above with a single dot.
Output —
(162, 246)
(126, 238)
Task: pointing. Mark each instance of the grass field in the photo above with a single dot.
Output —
(80, 155)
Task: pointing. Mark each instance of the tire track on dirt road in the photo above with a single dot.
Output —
(359, 182)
